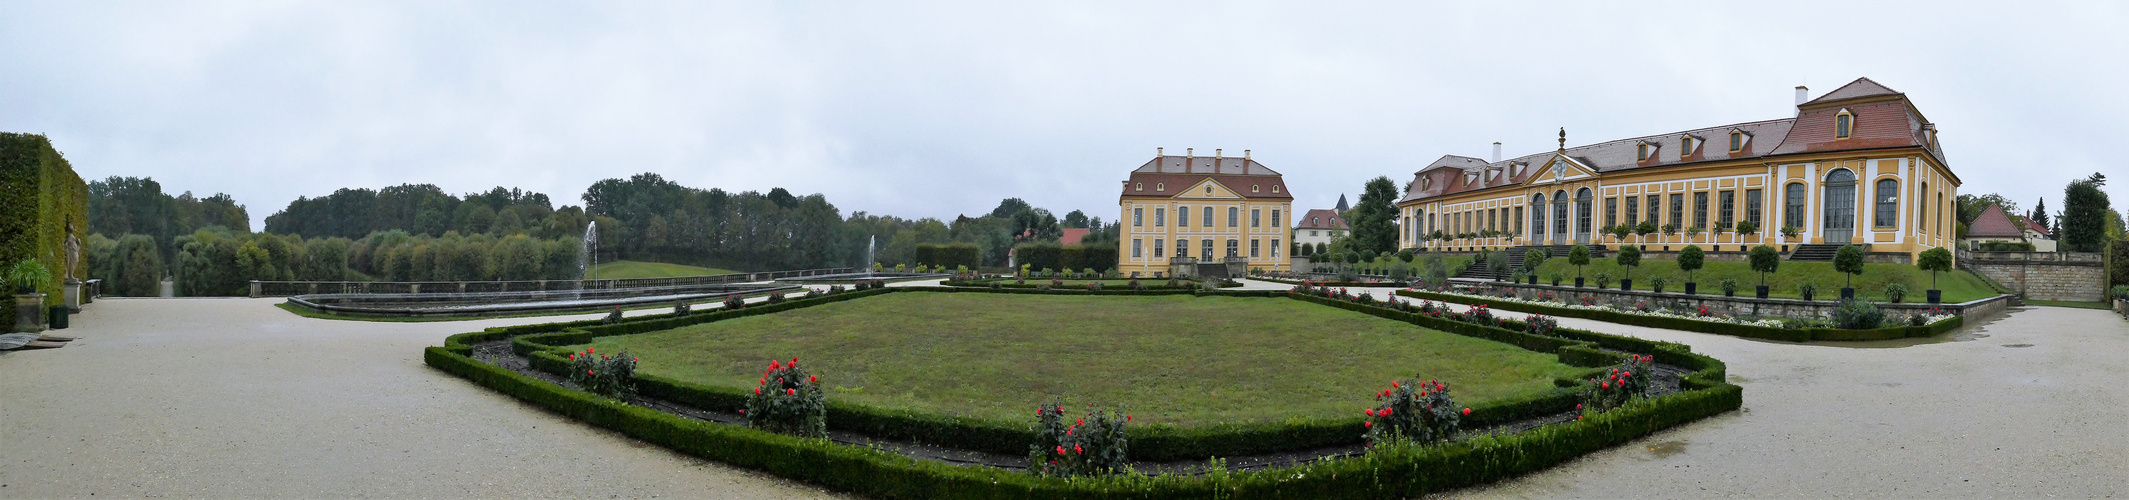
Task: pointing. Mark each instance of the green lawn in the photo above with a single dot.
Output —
(623, 269)
(1958, 286)
(1177, 359)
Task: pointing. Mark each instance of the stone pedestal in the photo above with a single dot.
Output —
(169, 289)
(73, 296)
(29, 312)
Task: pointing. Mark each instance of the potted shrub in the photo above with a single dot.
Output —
(1729, 287)
(1531, 260)
(1578, 257)
(26, 275)
(1669, 230)
(1764, 260)
(1555, 277)
(1657, 283)
(1604, 280)
(1791, 233)
(1894, 292)
(1690, 259)
(1643, 229)
(1619, 232)
(1849, 261)
(1807, 289)
(1935, 260)
(1746, 228)
(1629, 258)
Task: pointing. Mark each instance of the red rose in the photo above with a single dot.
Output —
(588, 349)
(1370, 412)
(1127, 418)
(1467, 411)
(791, 392)
(1369, 423)
(1060, 450)
(1081, 451)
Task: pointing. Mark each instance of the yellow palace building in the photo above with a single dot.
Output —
(1203, 215)
(1857, 165)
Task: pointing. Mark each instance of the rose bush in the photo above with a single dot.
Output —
(611, 376)
(1092, 445)
(788, 401)
(1411, 411)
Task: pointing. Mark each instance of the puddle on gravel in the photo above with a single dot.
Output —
(2017, 345)
(1666, 449)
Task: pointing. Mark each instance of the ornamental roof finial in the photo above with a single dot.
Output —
(1563, 138)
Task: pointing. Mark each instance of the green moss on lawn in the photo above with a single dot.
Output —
(1176, 359)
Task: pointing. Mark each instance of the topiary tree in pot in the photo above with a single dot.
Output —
(1935, 260)
(26, 275)
(1691, 259)
(1629, 258)
(1578, 257)
(1765, 259)
(1531, 260)
(1849, 261)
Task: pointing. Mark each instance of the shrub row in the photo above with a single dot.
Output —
(950, 255)
(1691, 325)
(1391, 471)
(41, 198)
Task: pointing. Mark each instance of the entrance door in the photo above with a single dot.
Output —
(1840, 207)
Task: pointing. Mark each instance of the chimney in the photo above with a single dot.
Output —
(1496, 151)
(1157, 152)
(1801, 95)
(1216, 154)
(1190, 152)
(1245, 155)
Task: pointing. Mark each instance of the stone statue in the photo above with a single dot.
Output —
(73, 247)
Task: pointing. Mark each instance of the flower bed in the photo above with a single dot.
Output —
(1694, 320)
(1397, 470)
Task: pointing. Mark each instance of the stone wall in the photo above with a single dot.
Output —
(2079, 277)
(1745, 303)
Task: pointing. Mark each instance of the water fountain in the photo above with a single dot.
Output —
(587, 256)
(871, 242)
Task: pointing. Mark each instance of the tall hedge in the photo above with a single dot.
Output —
(40, 197)
(2118, 263)
(1039, 256)
(950, 255)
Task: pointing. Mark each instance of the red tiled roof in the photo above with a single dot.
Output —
(1072, 235)
(1244, 176)
(1322, 218)
(2035, 227)
(1993, 224)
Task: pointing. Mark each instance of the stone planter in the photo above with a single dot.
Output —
(29, 312)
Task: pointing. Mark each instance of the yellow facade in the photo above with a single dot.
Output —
(1694, 196)
(1859, 165)
(1208, 219)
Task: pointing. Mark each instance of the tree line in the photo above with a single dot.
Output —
(417, 232)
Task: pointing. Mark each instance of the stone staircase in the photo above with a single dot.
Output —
(1814, 253)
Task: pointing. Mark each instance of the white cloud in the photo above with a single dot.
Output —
(942, 109)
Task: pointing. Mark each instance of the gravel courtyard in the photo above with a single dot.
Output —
(233, 397)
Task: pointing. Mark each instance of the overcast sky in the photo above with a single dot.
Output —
(934, 110)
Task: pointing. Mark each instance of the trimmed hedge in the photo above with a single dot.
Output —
(950, 255)
(40, 197)
(1731, 329)
(1398, 471)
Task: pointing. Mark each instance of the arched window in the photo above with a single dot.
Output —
(1793, 206)
(1160, 186)
(1737, 141)
(1583, 207)
(1140, 186)
(1888, 197)
(1843, 124)
(1559, 217)
(1537, 216)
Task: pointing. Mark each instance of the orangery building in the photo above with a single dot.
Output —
(1858, 165)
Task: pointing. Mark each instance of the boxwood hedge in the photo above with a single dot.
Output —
(40, 197)
(1406, 471)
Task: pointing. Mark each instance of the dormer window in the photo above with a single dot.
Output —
(1515, 169)
(1160, 186)
(1843, 124)
(1140, 187)
(1645, 151)
(1275, 188)
(1737, 141)
(1685, 146)
(1470, 178)
(1426, 183)
(1255, 188)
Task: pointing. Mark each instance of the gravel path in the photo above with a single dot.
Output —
(236, 398)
